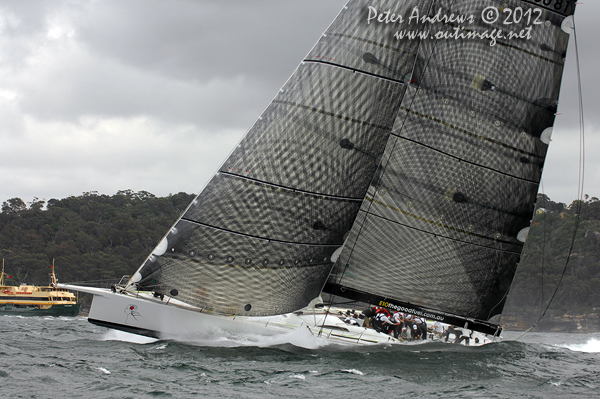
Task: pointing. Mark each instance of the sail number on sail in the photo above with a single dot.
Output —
(564, 7)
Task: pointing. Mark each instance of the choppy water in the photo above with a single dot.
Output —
(70, 358)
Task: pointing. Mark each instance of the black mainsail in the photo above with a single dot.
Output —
(420, 155)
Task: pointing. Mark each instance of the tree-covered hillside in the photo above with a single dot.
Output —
(91, 237)
(99, 238)
(545, 255)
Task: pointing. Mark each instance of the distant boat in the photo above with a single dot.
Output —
(390, 169)
(33, 300)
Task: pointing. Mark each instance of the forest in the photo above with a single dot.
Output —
(95, 239)
(551, 241)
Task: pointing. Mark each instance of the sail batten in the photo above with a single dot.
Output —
(338, 116)
(451, 228)
(332, 64)
(468, 133)
(465, 160)
(277, 187)
(260, 238)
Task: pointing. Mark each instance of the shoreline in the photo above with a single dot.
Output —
(588, 323)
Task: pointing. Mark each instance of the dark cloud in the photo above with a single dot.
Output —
(187, 40)
(151, 95)
(187, 62)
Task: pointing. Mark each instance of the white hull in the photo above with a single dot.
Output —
(145, 315)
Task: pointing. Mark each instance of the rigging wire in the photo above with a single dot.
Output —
(580, 184)
(543, 250)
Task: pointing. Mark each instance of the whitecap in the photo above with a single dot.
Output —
(299, 376)
(354, 371)
(220, 338)
(115, 335)
(103, 370)
(592, 346)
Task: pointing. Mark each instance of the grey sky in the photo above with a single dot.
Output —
(152, 95)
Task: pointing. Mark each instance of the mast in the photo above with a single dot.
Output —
(53, 281)
(2, 274)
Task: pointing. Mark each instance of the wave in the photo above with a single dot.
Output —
(592, 346)
(116, 335)
(219, 338)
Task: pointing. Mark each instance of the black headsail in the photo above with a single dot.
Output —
(443, 225)
(258, 239)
